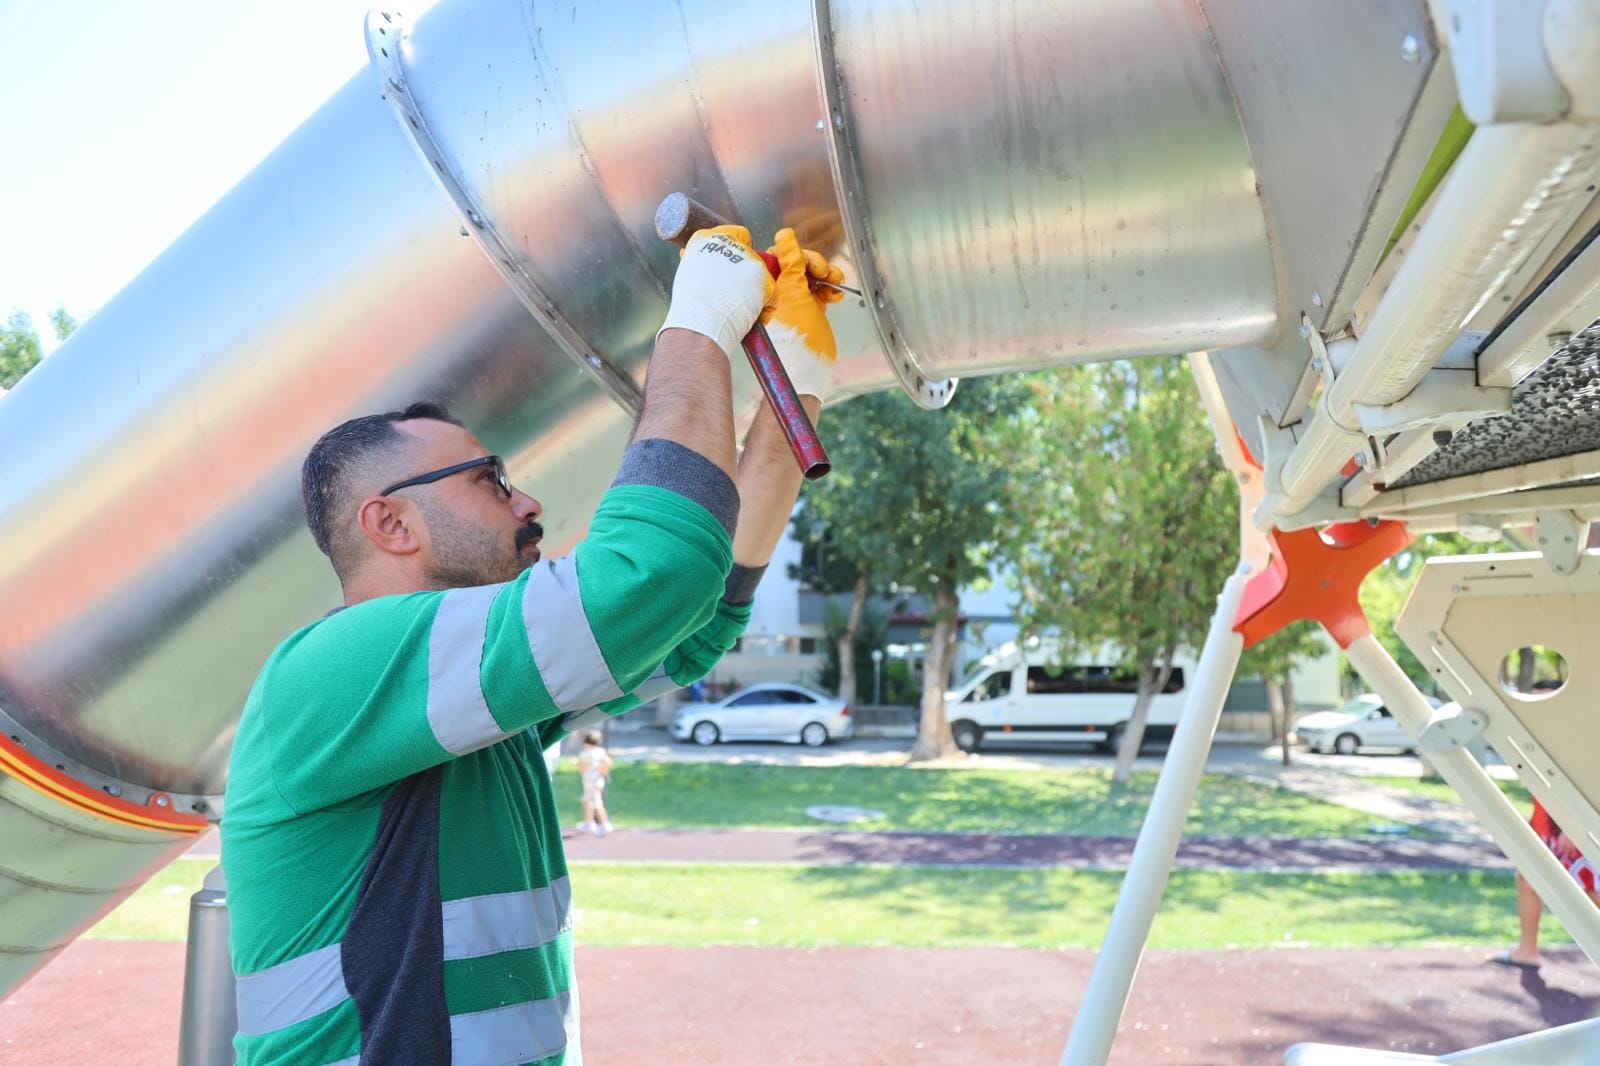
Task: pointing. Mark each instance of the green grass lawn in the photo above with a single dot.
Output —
(1436, 789)
(694, 794)
(962, 907)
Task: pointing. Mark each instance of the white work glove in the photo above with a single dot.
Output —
(796, 315)
(720, 288)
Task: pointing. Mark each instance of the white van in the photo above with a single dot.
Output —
(1032, 695)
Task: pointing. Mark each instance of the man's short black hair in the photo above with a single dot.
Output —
(341, 464)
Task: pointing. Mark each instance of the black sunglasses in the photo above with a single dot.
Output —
(471, 464)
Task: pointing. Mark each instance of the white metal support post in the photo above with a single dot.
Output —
(1508, 827)
(1095, 1026)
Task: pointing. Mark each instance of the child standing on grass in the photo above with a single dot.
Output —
(595, 766)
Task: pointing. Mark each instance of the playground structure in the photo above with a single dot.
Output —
(1372, 222)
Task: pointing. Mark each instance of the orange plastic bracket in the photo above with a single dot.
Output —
(1317, 576)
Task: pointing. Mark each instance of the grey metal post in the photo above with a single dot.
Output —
(210, 1018)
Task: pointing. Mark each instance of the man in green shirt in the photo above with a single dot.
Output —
(397, 886)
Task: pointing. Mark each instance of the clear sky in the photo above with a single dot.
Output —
(123, 120)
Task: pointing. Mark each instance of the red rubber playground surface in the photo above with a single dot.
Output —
(118, 1001)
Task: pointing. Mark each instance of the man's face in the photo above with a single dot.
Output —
(473, 534)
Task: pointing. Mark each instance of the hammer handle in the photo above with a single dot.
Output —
(677, 219)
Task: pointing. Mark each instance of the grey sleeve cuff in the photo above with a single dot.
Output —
(668, 465)
(742, 582)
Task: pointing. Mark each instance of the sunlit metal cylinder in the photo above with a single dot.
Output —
(470, 221)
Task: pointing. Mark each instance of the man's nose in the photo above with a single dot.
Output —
(525, 507)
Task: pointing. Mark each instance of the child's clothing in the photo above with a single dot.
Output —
(592, 762)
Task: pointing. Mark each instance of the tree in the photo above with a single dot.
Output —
(1274, 660)
(833, 564)
(871, 634)
(19, 343)
(1124, 521)
(917, 498)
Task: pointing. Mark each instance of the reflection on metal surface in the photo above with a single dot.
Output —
(835, 125)
(1025, 183)
(1093, 198)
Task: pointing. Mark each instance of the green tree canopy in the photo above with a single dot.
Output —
(917, 500)
(19, 343)
(1124, 521)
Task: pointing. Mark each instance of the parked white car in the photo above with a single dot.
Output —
(766, 712)
(1361, 724)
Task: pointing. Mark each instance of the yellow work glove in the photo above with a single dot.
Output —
(720, 287)
(796, 315)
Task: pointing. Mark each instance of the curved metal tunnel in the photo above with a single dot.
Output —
(1017, 185)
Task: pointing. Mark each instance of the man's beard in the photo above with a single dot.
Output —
(466, 555)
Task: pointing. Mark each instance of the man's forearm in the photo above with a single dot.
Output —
(769, 483)
(688, 398)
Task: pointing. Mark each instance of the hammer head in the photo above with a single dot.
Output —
(679, 216)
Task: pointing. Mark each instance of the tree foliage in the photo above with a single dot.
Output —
(916, 499)
(20, 351)
(1124, 521)
(1274, 660)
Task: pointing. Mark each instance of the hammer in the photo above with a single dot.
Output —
(677, 219)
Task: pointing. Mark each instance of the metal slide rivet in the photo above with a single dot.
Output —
(1411, 49)
(1316, 297)
(162, 801)
(838, 121)
(475, 218)
(113, 790)
(821, 125)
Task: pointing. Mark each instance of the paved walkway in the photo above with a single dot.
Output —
(117, 1001)
(828, 848)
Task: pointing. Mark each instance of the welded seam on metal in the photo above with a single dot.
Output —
(850, 191)
(386, 35)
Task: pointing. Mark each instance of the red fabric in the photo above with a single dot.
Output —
(1542, 823)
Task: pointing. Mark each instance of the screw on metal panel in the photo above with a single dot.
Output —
(1411, 49)
(475, 218)
(1372, 520)
(821, 125)
(162, 801)
(114, 790)
(1317, 365)
(1361, 458)
(1316, 297)
(1305, 329)
(838, 121)
(878, 300)
(1441, 437)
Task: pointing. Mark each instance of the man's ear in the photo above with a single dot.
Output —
(388, 524)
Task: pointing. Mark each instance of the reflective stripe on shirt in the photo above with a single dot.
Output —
(574, 671)
(303, 987)
(520, 1032)
(457, 712)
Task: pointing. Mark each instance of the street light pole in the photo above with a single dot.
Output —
(877, 676)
